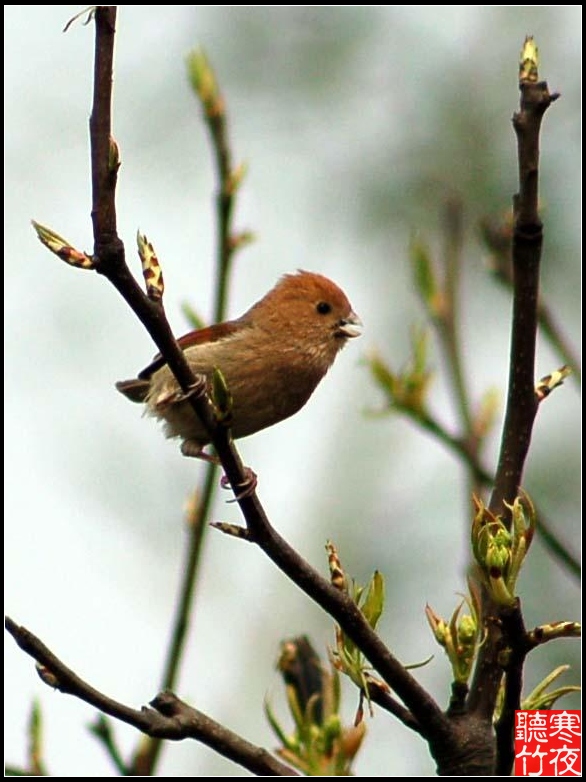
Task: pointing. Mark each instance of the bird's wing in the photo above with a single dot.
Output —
(191, 339)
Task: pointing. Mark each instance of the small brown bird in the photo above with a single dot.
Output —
(272, 359)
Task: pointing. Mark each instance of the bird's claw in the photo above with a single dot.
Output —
(247, 487)
(195, 390)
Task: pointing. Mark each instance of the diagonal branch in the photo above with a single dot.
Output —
(109, 256)
(386, 701)
(169, 717)
(469, 456)
(341, 607)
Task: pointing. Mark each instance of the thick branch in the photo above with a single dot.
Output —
(521, 401)
(518, 646)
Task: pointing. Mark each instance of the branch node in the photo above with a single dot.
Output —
(234, 530)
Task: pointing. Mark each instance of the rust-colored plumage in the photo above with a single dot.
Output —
(272, 358)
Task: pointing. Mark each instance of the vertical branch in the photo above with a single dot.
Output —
(505, 726)
(149, 748)
(526, 256)
(521, 398)
(103, 150)
(204, 82)
(216, 123)
(215, 115)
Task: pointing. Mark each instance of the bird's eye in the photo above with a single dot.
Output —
(323, 308)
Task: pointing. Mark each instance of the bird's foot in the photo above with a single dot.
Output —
(194, 449)
(245, 489)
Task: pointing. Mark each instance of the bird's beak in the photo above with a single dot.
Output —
(350, 326)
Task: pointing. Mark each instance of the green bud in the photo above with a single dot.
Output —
(467, 630)
(221, 398)
(424, 276)
(62, 248)
(235, 178)
(439, 626)
(374, 602)
(114, 161)
(151, 268)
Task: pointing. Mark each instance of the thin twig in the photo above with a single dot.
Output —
(386, 701)
(497, 238)
(548, 537)
(447, 325)
(196, 525)
(104, 733)
(217, 127)
(147, 754)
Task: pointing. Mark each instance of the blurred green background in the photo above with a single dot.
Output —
(357, 124)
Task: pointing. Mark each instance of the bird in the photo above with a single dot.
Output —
(272, 359)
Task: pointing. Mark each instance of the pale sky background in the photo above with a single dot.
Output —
(356, 123)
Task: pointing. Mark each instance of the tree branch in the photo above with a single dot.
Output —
(461, 742)
(469, 456)
(386, 701)
(344, 610)
(214, 111)
(521, 400)
(169, 717)
(526, 255)
(497, 238)
(104, 157)
(519, 647)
